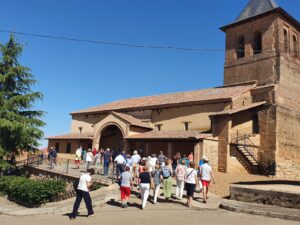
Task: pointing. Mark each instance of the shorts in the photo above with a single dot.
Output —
(190, 189)
(77, 161)
(125, 192)
(205, 183)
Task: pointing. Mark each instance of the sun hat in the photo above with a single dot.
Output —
(204, 158)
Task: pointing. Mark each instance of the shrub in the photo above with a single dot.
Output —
(32, 192)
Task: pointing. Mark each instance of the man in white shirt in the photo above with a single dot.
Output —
(206, 176)
(136, 158)
(152, 161)
(85, 183)
(120, 162)
(89, 158)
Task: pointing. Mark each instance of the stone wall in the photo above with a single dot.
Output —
(210, 150)
(288, 118)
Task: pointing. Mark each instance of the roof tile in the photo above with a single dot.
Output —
(204, 95)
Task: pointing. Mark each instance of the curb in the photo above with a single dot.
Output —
(243, 209)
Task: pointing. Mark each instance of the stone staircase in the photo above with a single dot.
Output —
(249, 157)
(245, 151)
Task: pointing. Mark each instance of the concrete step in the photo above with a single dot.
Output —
(259, 209)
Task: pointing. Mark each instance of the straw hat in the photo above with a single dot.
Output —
(204, 158)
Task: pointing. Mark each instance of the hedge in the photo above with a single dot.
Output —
(32, 192)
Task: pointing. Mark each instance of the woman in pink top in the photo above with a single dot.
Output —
(180, 173)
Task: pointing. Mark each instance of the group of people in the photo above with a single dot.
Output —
(154, 172)
(150, 173)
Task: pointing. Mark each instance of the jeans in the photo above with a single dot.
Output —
(105, 168)
(179, 188)
(156, 193)
(120, 169)
(88, 202)
(145, 189)
(167, 187)
(88, 164)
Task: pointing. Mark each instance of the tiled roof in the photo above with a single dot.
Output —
(170, 135)
(236, 110)
(219, 94)
(256, 7)
(73, 136)
(259, 8)
(132, 120)
(263, 87)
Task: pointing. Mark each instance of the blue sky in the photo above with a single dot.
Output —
(75, 76)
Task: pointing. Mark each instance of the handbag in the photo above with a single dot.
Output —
(152, 185)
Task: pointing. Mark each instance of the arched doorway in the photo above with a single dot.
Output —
(111, 137)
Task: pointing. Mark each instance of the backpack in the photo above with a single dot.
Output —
(166, 172)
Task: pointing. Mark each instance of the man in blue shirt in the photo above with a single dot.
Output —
(106, 161)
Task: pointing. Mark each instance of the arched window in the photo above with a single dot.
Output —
(257, 43)
(295, 46)
(286, 40)
(241, 47)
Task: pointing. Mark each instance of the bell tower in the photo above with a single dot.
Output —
(262, 45)
(252, 42)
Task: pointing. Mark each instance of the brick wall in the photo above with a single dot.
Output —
(221, 128)
(267, 125)
(259, 67)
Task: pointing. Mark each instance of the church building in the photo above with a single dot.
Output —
(251, 124)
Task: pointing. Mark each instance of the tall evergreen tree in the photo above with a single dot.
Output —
(19, 123)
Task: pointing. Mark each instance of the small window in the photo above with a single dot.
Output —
(186, 125)
(158, 127)
(241, 47)
(257, 43)
(68, 149)
(57, 147)
(295, 46)
(286, 40)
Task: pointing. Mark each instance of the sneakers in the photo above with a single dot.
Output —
(124, 205)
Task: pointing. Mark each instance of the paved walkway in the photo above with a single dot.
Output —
(161, 213)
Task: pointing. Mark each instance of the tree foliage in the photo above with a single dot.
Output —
(19, 123)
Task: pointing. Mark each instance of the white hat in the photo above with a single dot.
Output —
(204, 158)
(107, 149)
(135, 152)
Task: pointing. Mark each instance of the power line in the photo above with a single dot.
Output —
(296, 50)
(111, 43)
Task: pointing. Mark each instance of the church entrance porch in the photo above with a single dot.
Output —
(111, 137)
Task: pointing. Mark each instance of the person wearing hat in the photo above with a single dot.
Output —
(206, 176)
(136, 158)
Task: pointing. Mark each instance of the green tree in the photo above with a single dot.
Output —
(19, 123)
